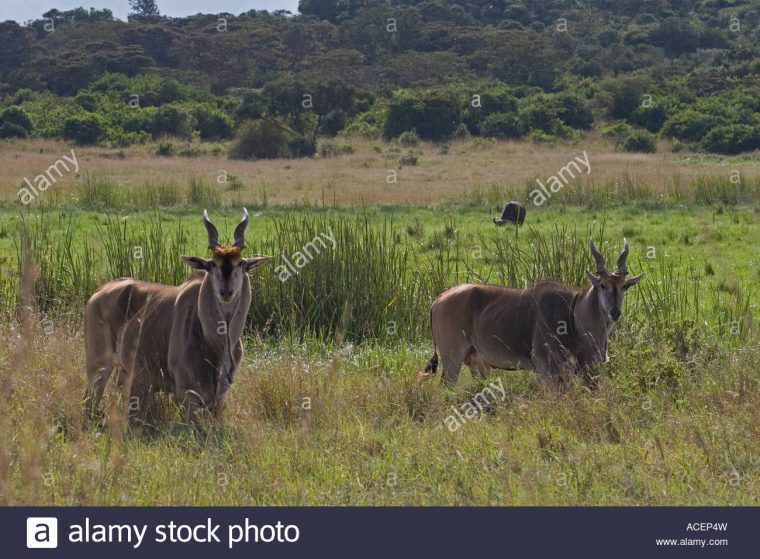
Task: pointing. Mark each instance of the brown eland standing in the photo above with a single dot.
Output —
(184, 340)
(549, 327)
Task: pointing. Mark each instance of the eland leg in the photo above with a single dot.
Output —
(451, 362)
(477, 365)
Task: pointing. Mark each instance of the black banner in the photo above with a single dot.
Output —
(673, 532)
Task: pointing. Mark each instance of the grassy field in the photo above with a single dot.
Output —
(326, 408)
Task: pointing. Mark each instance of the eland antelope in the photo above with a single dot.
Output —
(184, 340)
(549, 327)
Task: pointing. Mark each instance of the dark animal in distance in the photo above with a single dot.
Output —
(514, 212)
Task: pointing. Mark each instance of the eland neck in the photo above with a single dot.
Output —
(592, 325)
(223, 324)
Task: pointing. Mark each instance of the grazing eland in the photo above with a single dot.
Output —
(514, 212)
(550, 328)
(184, 340)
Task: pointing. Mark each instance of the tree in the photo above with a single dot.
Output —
(83, 129)
(434, 115)
(676, 35)
(323, 9)
(144, 8)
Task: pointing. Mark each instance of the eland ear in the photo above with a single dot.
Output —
(633, 281)
(255, 262)
(197, 263)
(595, 280)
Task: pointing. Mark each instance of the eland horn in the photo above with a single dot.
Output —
(240, 230)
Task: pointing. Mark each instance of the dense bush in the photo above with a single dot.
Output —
(170, 91)
(617, 130)
(621, 96)
(166, 149)
(333, 123)
(409, 139)
(651, 117)
(555, 115)
(690, 125)
(300, 146)
(83, 129)
(575, 112)
(488, 101)
(213, 123)
(732, 139)
(260, 139)
(18, 117)
(502, 125)
(87, 101)
(433, 116)
(640, 141)
(173, 120)
(12, 130)
(140, 120)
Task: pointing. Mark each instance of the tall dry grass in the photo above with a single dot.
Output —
(471, 169)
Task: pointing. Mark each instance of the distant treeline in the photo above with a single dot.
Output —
(636, 70)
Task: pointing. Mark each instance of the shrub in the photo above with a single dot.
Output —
(174, 121)
(432, 116)
(331, 149)
(213, 123)
(462, 131)
(333, 123)
(16, 115)
(171, 90)
(652, 118)
(165, 149)
(140, 120)
(87, 101)
(12, 130)
(300, 146)
(622, 95)
(690, 125)
(22, 96)
(491, 100)
(119, 138)
(640, 141)
(502, 125)
(83, 129)
(368, 123)
(587, 69)
(731, 139)
(574, 112)
(259, 139)
(617, 130)
(409, 139)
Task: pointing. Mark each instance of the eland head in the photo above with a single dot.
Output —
(610, 287)
(226, 268)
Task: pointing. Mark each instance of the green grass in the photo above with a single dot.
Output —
(326, 410)
(371, 435)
